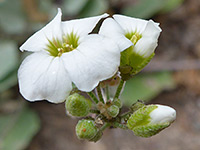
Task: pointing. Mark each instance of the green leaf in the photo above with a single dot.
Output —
(146, 86)
(144, 8)
(17, 129)
(9, 62)
(171, 5)
(73, 7)
(8, 57)
(9, 81)
(94, 7)
(12, 17)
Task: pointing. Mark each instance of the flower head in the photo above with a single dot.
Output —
(143, 36)
(65, 52)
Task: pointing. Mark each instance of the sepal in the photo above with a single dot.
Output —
(149, 130)
(134, 65)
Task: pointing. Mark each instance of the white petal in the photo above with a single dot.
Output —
(39, 40)
(145, 46)
(81, 27)
(97, 58)
(43, 77)
(152, 30)
(130, 24)
(163, 114)
(110, 28)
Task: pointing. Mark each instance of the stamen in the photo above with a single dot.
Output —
(133, 37)
(57, 47)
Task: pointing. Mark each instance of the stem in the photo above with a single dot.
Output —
(106, 125)
(100, 94)
(107, 93)
(119, 125)
(93, 97)
(126, 115)
(119, 89)
(95, 111)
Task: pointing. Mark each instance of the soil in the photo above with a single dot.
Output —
(180, 41)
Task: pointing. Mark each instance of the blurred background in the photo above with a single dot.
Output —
(171, 78)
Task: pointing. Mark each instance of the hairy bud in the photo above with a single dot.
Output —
(113, 110)
(151, 119)
(77, 105)
(86, 129)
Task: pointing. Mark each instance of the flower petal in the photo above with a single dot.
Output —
(43, 77)
(163, 114)
(81, 27)
(130, 24)
(145, 46)
(152, 30)
(97, 58)
(39, 40)
(110, 28)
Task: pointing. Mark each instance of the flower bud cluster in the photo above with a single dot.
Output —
(110, 109)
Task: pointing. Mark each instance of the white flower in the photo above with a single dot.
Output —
(143, 34)
(64, 52)
(162, 114)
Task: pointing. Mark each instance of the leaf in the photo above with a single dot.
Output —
(12, 17)
(94, 7)
(9, 81)
(144, 8)
(9, 62)
(73, 7)
(146, 86)
(171, 5)
(8, 57)
(17, 129)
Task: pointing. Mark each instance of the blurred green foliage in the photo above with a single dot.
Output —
(9, 63)
(20, 19)
(146, 86)
(147, 8)
(18, 128)
(12, 17)
(85, 8)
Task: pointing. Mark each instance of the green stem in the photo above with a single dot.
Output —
(126, 115)
(107, 93)
(119, 89)
(106, 125)
(93, 97)
(100, 94)
(95, 111)
(119, 125)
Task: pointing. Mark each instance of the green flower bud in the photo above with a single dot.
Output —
(151, 119)
(97, 136)
(117, 102)
(113, 110)
(86, 129)
(77, 105)
(137, 105)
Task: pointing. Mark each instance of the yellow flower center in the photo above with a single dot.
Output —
(68, 43)
(133, 36)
